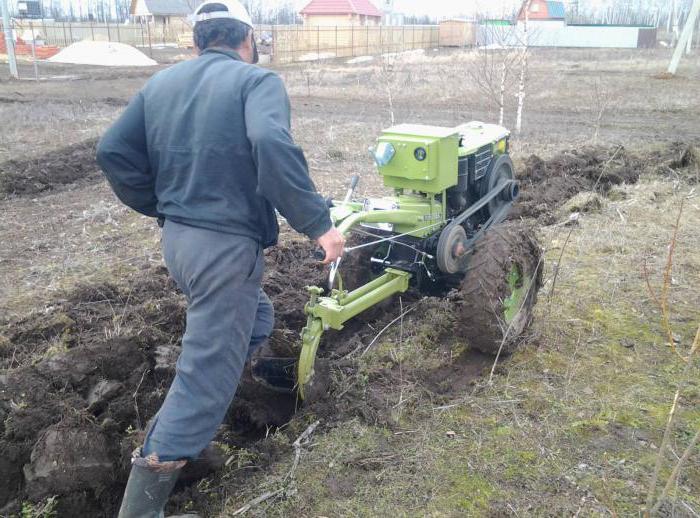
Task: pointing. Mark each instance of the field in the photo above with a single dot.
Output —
(413, 422)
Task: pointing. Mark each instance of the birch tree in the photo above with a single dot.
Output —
(523, 70)
(494, 69)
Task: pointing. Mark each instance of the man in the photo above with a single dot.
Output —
(206, 147)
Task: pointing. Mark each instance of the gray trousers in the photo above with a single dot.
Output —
(228, 317)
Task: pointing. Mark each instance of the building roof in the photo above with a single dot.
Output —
(166, 7)
(555, 10)
(543, 10)
(364, 7)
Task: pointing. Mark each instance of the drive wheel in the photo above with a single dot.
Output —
(499, 290)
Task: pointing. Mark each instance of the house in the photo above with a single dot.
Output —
(544, 13)
(325, 13)
(162, 11)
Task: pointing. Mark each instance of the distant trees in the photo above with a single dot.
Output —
(658, 13)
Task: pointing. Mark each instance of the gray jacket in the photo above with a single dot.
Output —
(207, 143)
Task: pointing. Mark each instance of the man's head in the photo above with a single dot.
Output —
(227, 24)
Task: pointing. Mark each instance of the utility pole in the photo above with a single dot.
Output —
(685, 35)
(9, 40)
(689, 48)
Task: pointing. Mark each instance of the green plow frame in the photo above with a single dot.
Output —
(332, 312)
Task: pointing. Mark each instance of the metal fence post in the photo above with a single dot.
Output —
(274, 43)
(318, 42)
(352, 40)
(119, 39)
(36, 67)
(367, 40)
(92, 30)
(148, 32)
(109, 35)
(65, 38)
(336, 41)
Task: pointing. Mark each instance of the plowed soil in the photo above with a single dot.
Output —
(59, 167)
(547, 184)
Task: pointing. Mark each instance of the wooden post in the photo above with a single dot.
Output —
(119, 38)
(318, 42)
(92, 29)
(336, 41)
(65, 38)
(109, 35)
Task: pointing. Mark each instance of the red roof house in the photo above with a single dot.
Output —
(341, 12)
(543, 10)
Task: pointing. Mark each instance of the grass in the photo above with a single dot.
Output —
(572, 423)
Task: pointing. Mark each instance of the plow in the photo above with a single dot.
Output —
(442, 230)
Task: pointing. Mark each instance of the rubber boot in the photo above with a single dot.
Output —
(147, 490)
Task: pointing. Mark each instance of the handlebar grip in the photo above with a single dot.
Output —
(354, 181)
(319, 255)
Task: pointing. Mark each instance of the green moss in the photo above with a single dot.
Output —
(469, 493)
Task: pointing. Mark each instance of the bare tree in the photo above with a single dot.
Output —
(523, 69)
(603, 102)
(388, 76)
(493, 74)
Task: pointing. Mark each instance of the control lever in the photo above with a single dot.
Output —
(320, 255)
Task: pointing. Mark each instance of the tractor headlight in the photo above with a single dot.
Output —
(383, 154)
(420, 153)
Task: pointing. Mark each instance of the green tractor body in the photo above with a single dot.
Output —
(449, 186)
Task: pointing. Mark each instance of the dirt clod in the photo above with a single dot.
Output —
(66, 459)
(45, 172)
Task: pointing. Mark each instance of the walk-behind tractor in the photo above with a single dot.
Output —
(439, 232)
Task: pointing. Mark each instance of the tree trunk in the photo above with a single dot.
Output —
(502, 96)
(523, 71)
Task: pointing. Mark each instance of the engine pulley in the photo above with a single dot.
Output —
(451, 253)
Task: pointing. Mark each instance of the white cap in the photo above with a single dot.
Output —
(235, 11)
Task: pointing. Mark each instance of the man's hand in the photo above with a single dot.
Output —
(332, 243)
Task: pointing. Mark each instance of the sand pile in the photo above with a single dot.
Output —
(104, 53)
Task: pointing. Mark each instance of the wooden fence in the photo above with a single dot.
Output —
(299, 43)
(284, 43)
